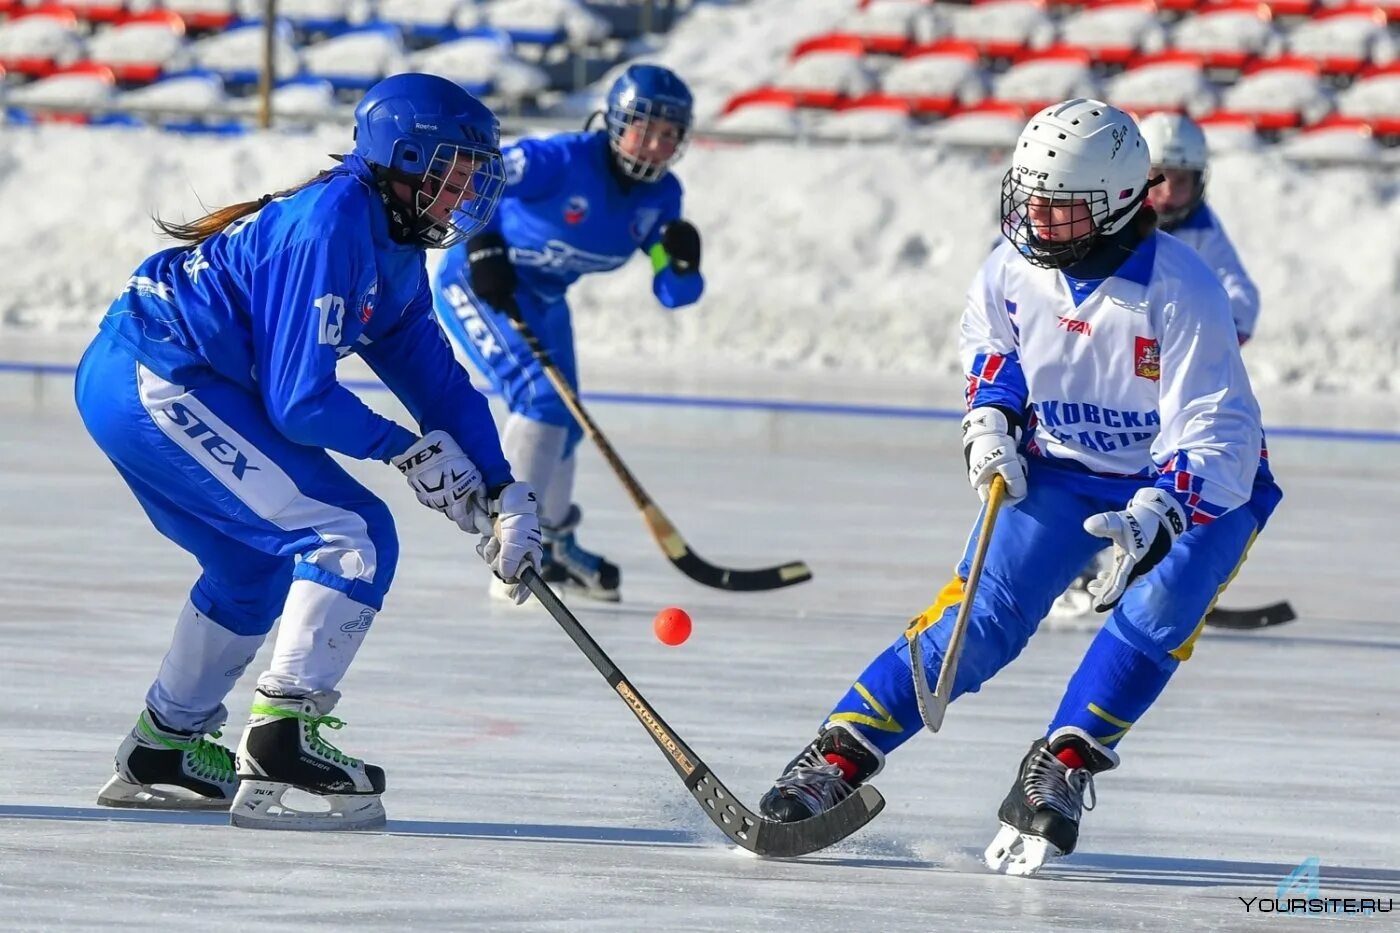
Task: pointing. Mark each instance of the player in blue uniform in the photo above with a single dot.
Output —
(211, 387)
(1106, 389)
(574, 204)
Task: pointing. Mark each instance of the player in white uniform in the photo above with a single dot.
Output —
(1105, 387)
(1179, 155)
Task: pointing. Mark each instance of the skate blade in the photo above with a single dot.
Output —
(261, 805)
(119, 792)
(1015, 853)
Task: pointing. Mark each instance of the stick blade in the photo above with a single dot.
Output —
(740, 581)
(1244, 619)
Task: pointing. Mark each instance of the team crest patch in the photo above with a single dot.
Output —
(367, 306)
(575, 209)
(1149, 359)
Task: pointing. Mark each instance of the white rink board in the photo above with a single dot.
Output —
(523, 795)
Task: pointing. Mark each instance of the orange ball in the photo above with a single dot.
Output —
(672, 626)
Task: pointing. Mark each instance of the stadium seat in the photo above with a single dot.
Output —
(484, 63)
(1167, 81)
(314, 17)
(872, 117)
(1115, 31)
(1334, 138)
(142, 47)
(1344, 41)
(355, 60)
(1228, 36)
(989, 124)
(237, 53)
(1007, 29)
(186, 94)
(204, 15)
(1278, 95)
(92, 11)
(539, 22)
(823, 76)
(1375, 98)
(893, 27)
(1042, 79)
(937, 78)
(1230, 133)
(75, 86)
(765, 110)
(424, 21)
(40, 42)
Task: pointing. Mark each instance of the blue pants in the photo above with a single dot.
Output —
(485, 334)
(1038, 547)
(214, 476)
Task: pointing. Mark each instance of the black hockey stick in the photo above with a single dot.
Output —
(744, 828)
(1262, 617)
(672, 544)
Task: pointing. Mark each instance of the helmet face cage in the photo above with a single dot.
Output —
(458, 193)
(1016, 224)
(646, 117)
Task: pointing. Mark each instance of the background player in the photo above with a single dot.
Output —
(1105, 387)
(211, 387)
(575, 204)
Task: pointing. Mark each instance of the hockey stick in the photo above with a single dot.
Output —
(744, 828)
(677, 551)
(932, 705)
(1262, 617)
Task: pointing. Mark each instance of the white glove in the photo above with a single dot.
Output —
(445, 479)
(1142, 534)
(989, 446)
(513, 541)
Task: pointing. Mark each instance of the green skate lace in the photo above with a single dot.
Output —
(313, 727)
(207, 759)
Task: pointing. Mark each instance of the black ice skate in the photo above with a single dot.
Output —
(163, 769)
(569, 566)
(1040, 816)
(282, 753)
(826, 773)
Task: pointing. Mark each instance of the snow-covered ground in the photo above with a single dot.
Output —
(842, 259)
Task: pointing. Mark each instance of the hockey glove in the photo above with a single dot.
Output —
(444, 478)
(1142, 534)
(513, 541)
(681, 241)
(492, 273)
(990, 440)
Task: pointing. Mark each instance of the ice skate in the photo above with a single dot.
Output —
(568, 566)
(823, 775)
(292, 778)
(164, 769)
(1040, 816)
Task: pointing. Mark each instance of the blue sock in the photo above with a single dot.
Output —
(881, 703)
(1113, 687)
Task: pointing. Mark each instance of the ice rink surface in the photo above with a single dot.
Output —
(523, 795)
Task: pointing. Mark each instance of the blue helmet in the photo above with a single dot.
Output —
(641, 94)
(437, 150)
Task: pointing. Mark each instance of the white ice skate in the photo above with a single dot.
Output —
(291, 778)
(162, 769)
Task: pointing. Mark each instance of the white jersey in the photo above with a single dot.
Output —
(1202, 231)
(1137, 374)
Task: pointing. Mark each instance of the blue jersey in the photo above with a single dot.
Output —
(273, 301)
(565, 214)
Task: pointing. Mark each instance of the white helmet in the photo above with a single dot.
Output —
(1078, 150)
(1175, 141)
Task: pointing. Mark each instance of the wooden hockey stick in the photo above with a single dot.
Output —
(932, 705)
(677, 551)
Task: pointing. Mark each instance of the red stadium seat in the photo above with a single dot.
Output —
(1005, 29)
(1278, 94)
(1228, 36)
(1345, 40)
(986, 124)
(204, 15)
(892, 27)
(1115, 31)
(1375, 98)
(835, 42)
(938, 78)
(141, 47)
(827, 70)
(1166, 81)
(96, 11)
(1043, 78)
(40, 41)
